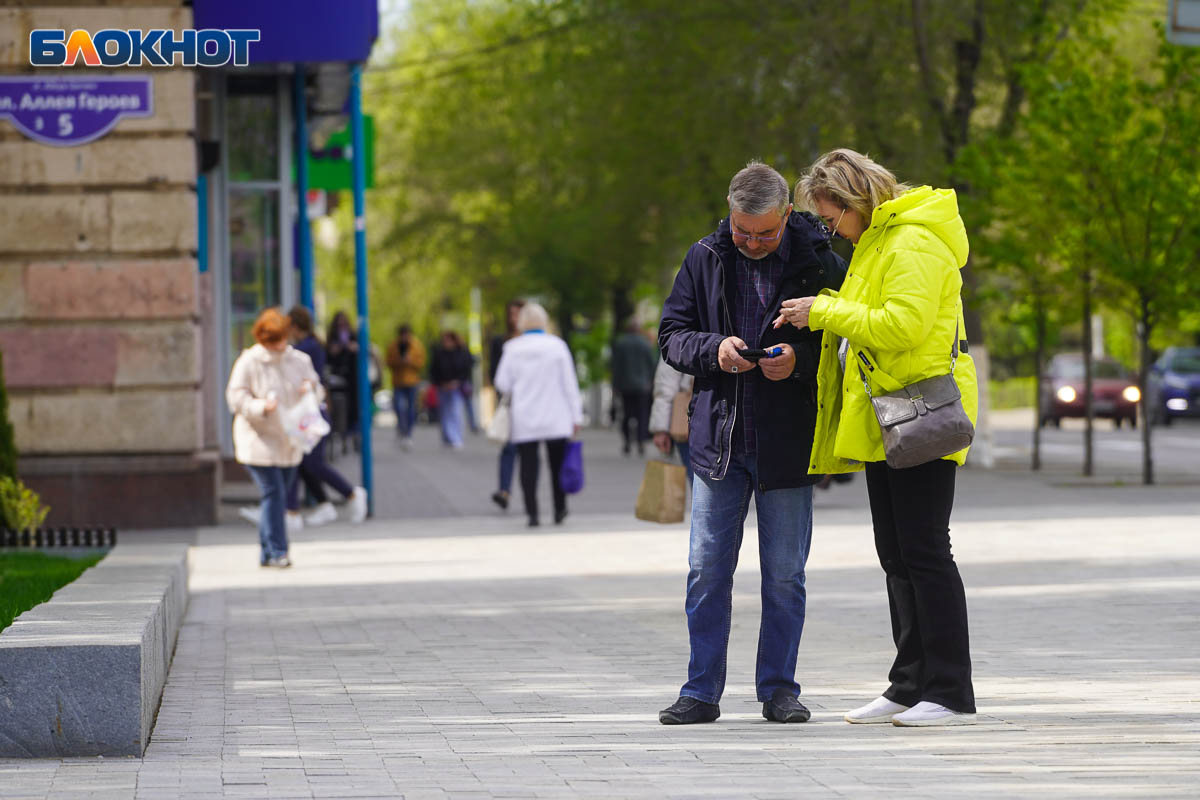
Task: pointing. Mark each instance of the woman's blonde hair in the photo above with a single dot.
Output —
(850, 180)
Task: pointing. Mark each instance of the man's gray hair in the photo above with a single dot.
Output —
(757, 189)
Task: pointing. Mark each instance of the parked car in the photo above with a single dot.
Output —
(1115, 394)
(1174, 385)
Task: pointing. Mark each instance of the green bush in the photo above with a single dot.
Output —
(8, 446)
(20, 506)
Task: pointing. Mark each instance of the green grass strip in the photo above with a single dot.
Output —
(29, 579)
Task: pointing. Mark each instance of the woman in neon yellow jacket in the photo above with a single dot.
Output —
(900, 306)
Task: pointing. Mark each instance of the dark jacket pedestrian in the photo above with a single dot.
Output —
(751, 431)
(633, 364)
(449, 370)
(698, 315)
(315, 472)
(341, 350)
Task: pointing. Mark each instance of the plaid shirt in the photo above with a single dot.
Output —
(757, 282)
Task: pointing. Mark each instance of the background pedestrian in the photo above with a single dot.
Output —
(266, 378)
(538, 373)
(508, 453)
(406, 359)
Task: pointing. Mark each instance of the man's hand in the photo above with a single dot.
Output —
(780, 366)
(662, 441)
(728, 358)
(795, 311)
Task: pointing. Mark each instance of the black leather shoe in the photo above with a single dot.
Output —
(559, 516)
(783, 707)
(500, 499)
(688, 711)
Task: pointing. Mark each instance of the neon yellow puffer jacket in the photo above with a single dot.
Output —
(900, 304)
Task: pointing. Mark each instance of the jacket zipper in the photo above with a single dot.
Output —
(731, 422)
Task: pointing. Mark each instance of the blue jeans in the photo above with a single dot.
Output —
(404, 403)
(469, 406)
(273, 483)
(508, 463)
(685, 455)
(450, 408)
(784, 532)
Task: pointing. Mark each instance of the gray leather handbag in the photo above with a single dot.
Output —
(923, 421)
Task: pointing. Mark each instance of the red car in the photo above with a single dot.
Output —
(1115, 394)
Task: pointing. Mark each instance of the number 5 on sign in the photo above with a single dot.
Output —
(65, 128)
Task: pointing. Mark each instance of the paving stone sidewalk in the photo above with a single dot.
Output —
(464, 656)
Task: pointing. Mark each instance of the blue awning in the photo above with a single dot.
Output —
(307, 31)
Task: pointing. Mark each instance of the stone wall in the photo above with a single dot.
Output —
(99, 297)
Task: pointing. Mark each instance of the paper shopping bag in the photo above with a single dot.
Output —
(663, 492)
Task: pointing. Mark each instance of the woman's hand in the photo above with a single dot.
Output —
(795, 311)
(663, 442)
(270, 404)
(305, 387)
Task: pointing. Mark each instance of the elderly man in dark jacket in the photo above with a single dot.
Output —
(751, 430)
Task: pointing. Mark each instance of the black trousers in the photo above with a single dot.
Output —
(530, 465)
(635, 407)
(910, 509)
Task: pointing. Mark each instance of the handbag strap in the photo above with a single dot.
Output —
(863, 358)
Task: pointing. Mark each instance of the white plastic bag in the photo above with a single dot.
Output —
(303, 422)
(500, 428)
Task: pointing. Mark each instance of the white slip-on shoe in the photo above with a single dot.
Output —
(878, 711)
(323, 514)
(358, 504)
(926, 715)
(251, 514)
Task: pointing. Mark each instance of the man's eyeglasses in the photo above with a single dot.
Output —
(752, 237)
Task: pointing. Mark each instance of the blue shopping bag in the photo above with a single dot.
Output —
(571, 474)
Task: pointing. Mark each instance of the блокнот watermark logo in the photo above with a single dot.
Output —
(158, 47)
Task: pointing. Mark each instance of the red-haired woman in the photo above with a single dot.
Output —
(266, 378)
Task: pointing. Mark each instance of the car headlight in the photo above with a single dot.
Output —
(1066, 394)
(1132, 394)
(1175, 381)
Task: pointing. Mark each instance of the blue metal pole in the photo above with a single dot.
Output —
(202, 222)
(300, 109)
(366, 403)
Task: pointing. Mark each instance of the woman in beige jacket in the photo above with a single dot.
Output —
(266, 379)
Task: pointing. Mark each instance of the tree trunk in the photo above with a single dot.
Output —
(1089, 420)
(1144, 330)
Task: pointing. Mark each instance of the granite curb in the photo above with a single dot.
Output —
(83, 673)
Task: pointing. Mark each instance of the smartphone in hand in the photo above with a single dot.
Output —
(754, 354)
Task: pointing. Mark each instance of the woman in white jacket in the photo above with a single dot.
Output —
(668, 382)
(267, 378)
(537, 373)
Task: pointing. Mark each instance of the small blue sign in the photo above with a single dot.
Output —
(66, 112)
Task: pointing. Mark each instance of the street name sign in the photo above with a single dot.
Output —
(66, 112)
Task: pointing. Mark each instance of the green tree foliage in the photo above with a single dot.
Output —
(1107, 159)
(572, 150)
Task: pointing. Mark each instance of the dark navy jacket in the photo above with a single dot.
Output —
(697, 316)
